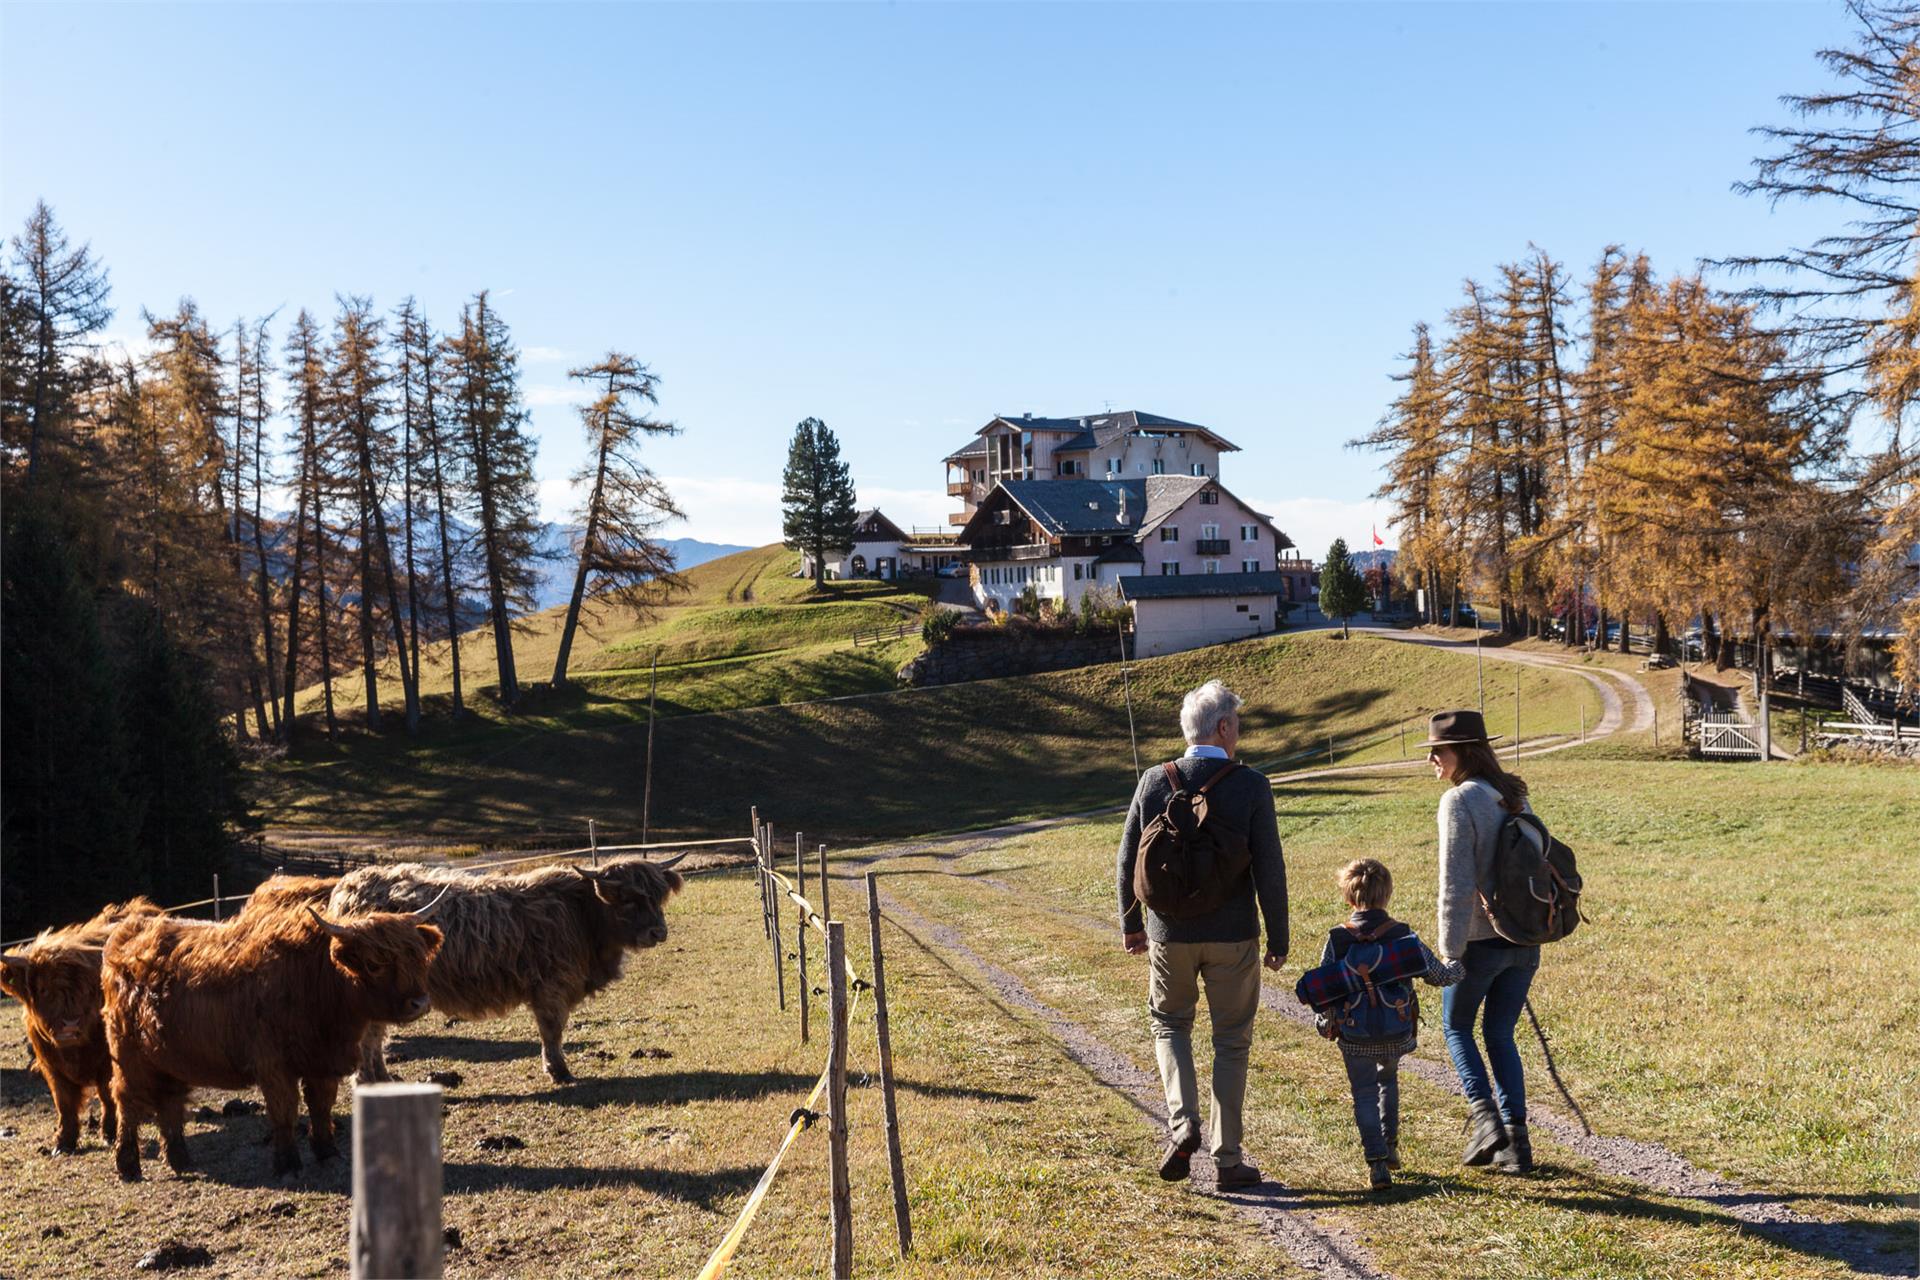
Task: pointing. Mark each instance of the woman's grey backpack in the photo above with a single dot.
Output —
(1532, 895)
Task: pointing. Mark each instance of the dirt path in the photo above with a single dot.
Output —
(1647, 1163)
(1316, 1246)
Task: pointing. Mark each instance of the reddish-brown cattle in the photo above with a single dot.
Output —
(56, 978)
(546, 938)
(274, 998)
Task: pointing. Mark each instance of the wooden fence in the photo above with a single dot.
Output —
(1724, 735)
(879, 635)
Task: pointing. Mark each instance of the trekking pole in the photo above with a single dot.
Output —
(1554, 1071)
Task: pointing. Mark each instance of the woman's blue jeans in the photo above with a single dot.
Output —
(1498, 978)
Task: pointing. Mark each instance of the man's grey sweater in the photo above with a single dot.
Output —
(1243, 803)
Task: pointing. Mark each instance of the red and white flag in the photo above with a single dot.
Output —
(1376, 537)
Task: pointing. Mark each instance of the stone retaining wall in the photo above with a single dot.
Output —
(989, 653)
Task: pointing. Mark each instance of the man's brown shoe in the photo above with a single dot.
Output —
(1239, 1177)
(1177, 1161)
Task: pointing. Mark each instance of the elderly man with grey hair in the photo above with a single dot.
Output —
(1219, 949)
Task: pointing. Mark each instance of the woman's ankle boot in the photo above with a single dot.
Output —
(1517, 1157)
(1485, 1134)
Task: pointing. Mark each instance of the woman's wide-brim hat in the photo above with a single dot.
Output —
(1452, 728)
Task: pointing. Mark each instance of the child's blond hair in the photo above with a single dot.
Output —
(1366, 883)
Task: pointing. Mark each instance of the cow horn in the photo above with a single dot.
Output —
(12, 958)
(431, 907)
(585, 874)
(674, 860)
(327, 924)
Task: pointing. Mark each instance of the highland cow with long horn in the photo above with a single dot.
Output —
(546, 938)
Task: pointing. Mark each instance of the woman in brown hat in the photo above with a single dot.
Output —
(1479, 798)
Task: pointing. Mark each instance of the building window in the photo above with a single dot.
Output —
(1169, 568)
(1213, 566)
(1159, 467)
(1076, 570)
(1249, 566)
(1253, 617)
(1249, 533)
(1239, 608)
(1211, 532)
(1067, 466)
(1199, 468)
(1113, 466)
(1209, 497)
(1169, 533)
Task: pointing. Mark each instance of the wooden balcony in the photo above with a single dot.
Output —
(1212, 546)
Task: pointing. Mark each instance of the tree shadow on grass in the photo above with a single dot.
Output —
(702, 1189)
(1866, 1248)
(21, 1087)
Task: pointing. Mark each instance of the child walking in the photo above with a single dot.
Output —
(1363, 991)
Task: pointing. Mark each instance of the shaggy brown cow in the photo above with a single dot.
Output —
(547, 938)
(291, 891)
(56, 978)
(278, 999)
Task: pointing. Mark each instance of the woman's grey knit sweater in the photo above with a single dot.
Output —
(1471, 816)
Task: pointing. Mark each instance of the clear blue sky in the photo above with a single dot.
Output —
(904, 218)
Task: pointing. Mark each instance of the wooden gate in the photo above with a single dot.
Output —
(1725, 736)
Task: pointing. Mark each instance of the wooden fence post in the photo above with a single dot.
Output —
(396, 1229)
(842, 1214)
(593, 842)
(800, 931)
(895, 1165)
(1516, 712)
(216, 896)
(826, 912)
(646, 790)
(1329, 750)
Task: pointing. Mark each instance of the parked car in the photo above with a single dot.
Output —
(954, 570)
(1464, 616)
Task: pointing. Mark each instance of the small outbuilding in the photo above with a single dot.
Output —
(875, 553)
(1172, 612)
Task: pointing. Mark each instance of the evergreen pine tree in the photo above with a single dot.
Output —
(56, 301)
(65, 812)
(818, 505)
(1343, 592)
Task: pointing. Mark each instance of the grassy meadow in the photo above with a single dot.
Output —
(1705, 1006)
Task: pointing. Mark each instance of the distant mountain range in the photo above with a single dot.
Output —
(554, 570)
(1365, 560)
(556, 573)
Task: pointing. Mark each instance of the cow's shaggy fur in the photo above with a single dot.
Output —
(547, 938)
(273, 998)
(291, 891)
(56, 978)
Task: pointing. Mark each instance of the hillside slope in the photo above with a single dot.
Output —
(898, 763)
(744, 605)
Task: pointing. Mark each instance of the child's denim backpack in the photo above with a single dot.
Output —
(1380, 1006)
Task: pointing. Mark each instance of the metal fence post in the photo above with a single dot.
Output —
(800, 932)
(896, 1167)
(395, 1210)
(842, 1214)
(593, 842)
(826, 912)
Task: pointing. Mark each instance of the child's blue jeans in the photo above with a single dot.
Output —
(1376, 1100)
(1498, 977)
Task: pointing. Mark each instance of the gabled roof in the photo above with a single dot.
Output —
(1167, 494)
(1193, 586)
(974, 448)
(1079, 506)
(881, 530)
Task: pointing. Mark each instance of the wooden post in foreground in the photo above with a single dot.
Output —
(842, 1211)
(396, 1230)
(216, 896)
(895, 1166)
(593, 842)
(1516, 712)
(800, 931)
